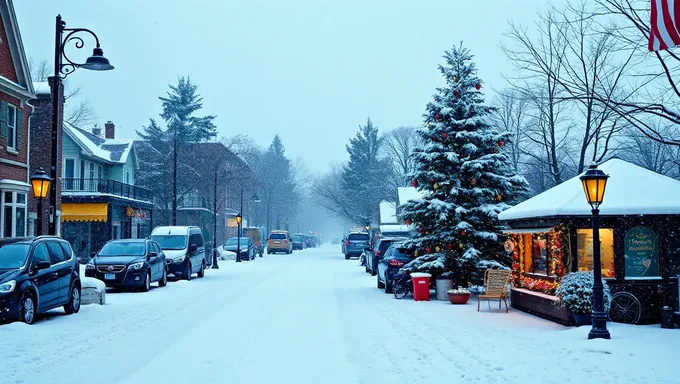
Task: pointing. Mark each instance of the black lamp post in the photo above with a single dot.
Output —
(594, 183)
(63, 66)
(239, 220)
(41, 186)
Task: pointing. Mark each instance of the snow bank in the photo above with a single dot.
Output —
(93, 291)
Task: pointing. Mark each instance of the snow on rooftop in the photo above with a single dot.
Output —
(110, 154)
(408, 193)
(631, 190)
(42, 88)
(388, 212)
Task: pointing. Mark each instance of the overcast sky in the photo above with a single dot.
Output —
(309, 70)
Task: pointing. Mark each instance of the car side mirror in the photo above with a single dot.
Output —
(193, 248)
(153, 254)
(42, 265)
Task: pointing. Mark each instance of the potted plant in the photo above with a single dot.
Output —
(575, 293)
(459, 295)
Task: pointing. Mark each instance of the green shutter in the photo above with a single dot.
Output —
(19, 124)
(3, 119)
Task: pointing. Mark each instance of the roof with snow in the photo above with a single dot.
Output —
(631, 190)
(115, 151)
(388, 212)
(408, 193)
(42, 88)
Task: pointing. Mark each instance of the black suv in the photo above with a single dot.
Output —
(130, 263)
(36, 275)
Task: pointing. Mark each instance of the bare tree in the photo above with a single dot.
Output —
(397, 147)
(79, 113)
(511, 115)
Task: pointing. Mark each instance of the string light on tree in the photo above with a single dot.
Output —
(435, 186)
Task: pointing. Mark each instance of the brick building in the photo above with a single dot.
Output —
(16, 93)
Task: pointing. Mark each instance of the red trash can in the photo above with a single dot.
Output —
(421, 286)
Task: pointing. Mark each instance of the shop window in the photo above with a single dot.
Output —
(584, 250)
(641, 251)
(13, 214)
(539, 254)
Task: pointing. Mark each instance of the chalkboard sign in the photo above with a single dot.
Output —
(641, 252)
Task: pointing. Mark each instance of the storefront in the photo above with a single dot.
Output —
(551, 234)
(89, 225)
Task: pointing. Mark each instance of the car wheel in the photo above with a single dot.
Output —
(164, 280)
(147, 282)
(73, 305)
(380, 283)
(388, 286)
(373, 272)
(188, 271)
(269, 251)
(27, 308)
(201, 272)
(346, 257)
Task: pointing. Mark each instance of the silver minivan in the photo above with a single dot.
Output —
(184, 250)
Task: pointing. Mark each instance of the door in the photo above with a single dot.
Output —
(197, 257)
(62, 268)
(69, 174)
(154, 262)
(46, 280)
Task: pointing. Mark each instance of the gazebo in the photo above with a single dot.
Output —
(551, 234)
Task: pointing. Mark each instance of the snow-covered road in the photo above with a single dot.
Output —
(312, 317)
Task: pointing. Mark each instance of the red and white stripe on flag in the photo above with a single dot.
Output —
(665, 24)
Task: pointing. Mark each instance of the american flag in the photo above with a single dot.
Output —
(665, 24)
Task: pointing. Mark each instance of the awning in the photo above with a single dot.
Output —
(528, 230)
(84, 212)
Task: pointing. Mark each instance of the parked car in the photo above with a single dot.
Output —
(184, 250)
(299, 241)
(395, 258)
(279, 241)
(247, 247)
(343, 243)
(373, 254)
(129, 263)
(36, 275)
(355, 244)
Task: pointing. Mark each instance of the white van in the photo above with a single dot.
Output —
(184, 250)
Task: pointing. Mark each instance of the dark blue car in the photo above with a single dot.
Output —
(395, 258)
(374, 254)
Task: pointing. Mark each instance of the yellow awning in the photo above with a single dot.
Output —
(84, 212)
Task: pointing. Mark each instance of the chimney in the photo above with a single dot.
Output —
(96, 131)
(110, 130)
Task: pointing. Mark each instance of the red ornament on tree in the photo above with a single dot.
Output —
(408, 222)
(421, 229)
(456, 93)
(478, 86)
(438, 117)
(463, 233)
(501, 143)
(427, 250)
(414, 183)
(431, 180)
(449, 246)
(444, 135)
(473, 182)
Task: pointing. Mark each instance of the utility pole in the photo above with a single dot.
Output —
(214, 265)
(174, 176)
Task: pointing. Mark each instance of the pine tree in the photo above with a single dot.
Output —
(466, 179)
(364, 176)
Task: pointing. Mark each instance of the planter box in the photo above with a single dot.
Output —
(539, 304)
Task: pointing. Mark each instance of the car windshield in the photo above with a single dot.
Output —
(383, 246)
(358, 237)
(403, 253)
(234, 241)
(13, 256)
(277, 236)
(123, 249)
(171, 242)
(296, 238)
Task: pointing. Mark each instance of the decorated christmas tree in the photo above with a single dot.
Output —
(466, 178)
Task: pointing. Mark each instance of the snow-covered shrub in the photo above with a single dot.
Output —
(459, 291)
(575, 293)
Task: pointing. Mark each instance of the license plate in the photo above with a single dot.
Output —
(277, 242)
(110, 276)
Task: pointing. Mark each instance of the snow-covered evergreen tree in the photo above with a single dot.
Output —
(466, 177)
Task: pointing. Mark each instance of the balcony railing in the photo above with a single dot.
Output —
(105, 186)
(194, 202)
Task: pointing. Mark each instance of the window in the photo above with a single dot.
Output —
(68, 251)
(14, 214)
(40, 253)
(100, 172)
(358, 236)
(93, 174)
(584, 250)
(69, 173)
(197, 239)
(56, 252)
(11, 126)
(539, 254)
(127, 177)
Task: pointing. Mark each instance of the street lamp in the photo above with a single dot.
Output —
(63, 66)
(41, 186)
(594, 183)
(239, 220)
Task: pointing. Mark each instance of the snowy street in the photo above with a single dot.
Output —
(312, 317)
